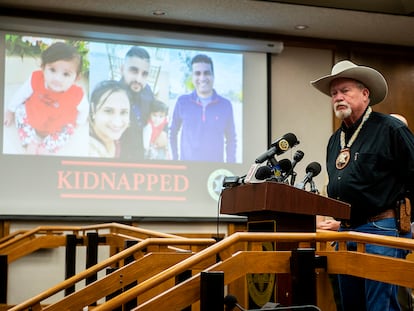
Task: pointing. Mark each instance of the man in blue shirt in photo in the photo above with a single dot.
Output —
(204, 120)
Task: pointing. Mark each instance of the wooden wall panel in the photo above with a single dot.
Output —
(398, 70)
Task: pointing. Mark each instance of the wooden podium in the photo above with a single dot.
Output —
(293, 209)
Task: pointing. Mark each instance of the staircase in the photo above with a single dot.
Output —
(164, 272)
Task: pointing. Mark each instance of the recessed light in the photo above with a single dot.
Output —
(301, 27)
(159, 13)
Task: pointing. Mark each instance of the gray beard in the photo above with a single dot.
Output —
(343, 114)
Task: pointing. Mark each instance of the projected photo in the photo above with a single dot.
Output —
(46, 101)
(77, 98)
(116, 128)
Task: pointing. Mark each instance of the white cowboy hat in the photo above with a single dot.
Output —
(371, 78)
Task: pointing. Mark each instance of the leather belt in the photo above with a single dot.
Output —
(388, 213)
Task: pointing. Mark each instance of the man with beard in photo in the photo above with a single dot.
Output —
(135, 70)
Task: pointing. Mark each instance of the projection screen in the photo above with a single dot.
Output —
(69, 180)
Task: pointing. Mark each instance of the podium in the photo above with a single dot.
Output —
(291, 210)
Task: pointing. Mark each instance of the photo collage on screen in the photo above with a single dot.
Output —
(78, 98)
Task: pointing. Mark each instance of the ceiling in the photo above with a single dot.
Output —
(372, 21)
(397, 7)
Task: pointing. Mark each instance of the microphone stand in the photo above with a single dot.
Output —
(313, 187)
(293, 178)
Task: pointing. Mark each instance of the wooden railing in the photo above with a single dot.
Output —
(12, 236)
(242, 263)
(25, 242)
(116, 281)
(238, 257)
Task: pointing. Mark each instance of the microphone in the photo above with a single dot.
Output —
(312, 170)
(250, 177)
(281, 169)
(263, 172)
(285, 165)
(313, 187)
(297, 157)
(275, 172)
(280, 146)
(232, 181)
(230, 302)
(251, 174)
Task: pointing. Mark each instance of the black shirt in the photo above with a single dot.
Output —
(380, 170)
(132, 146)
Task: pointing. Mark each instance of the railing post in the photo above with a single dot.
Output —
(181, 278)
(133, 302)
(92, 254)
(302, 266)
(114, 294)
(70, 261)
(212, 291)
(4, 278)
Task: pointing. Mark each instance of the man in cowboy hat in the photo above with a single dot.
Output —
(370, 164)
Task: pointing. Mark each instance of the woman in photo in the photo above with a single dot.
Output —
(109, 117)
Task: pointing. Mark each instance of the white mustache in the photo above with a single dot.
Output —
(341, 103)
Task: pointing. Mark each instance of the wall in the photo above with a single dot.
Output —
(299, 108)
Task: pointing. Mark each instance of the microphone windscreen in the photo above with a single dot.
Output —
(287, 141)
(299, 154)
(285, 165)
(314, 168)
(263, 173)
(291, 139)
